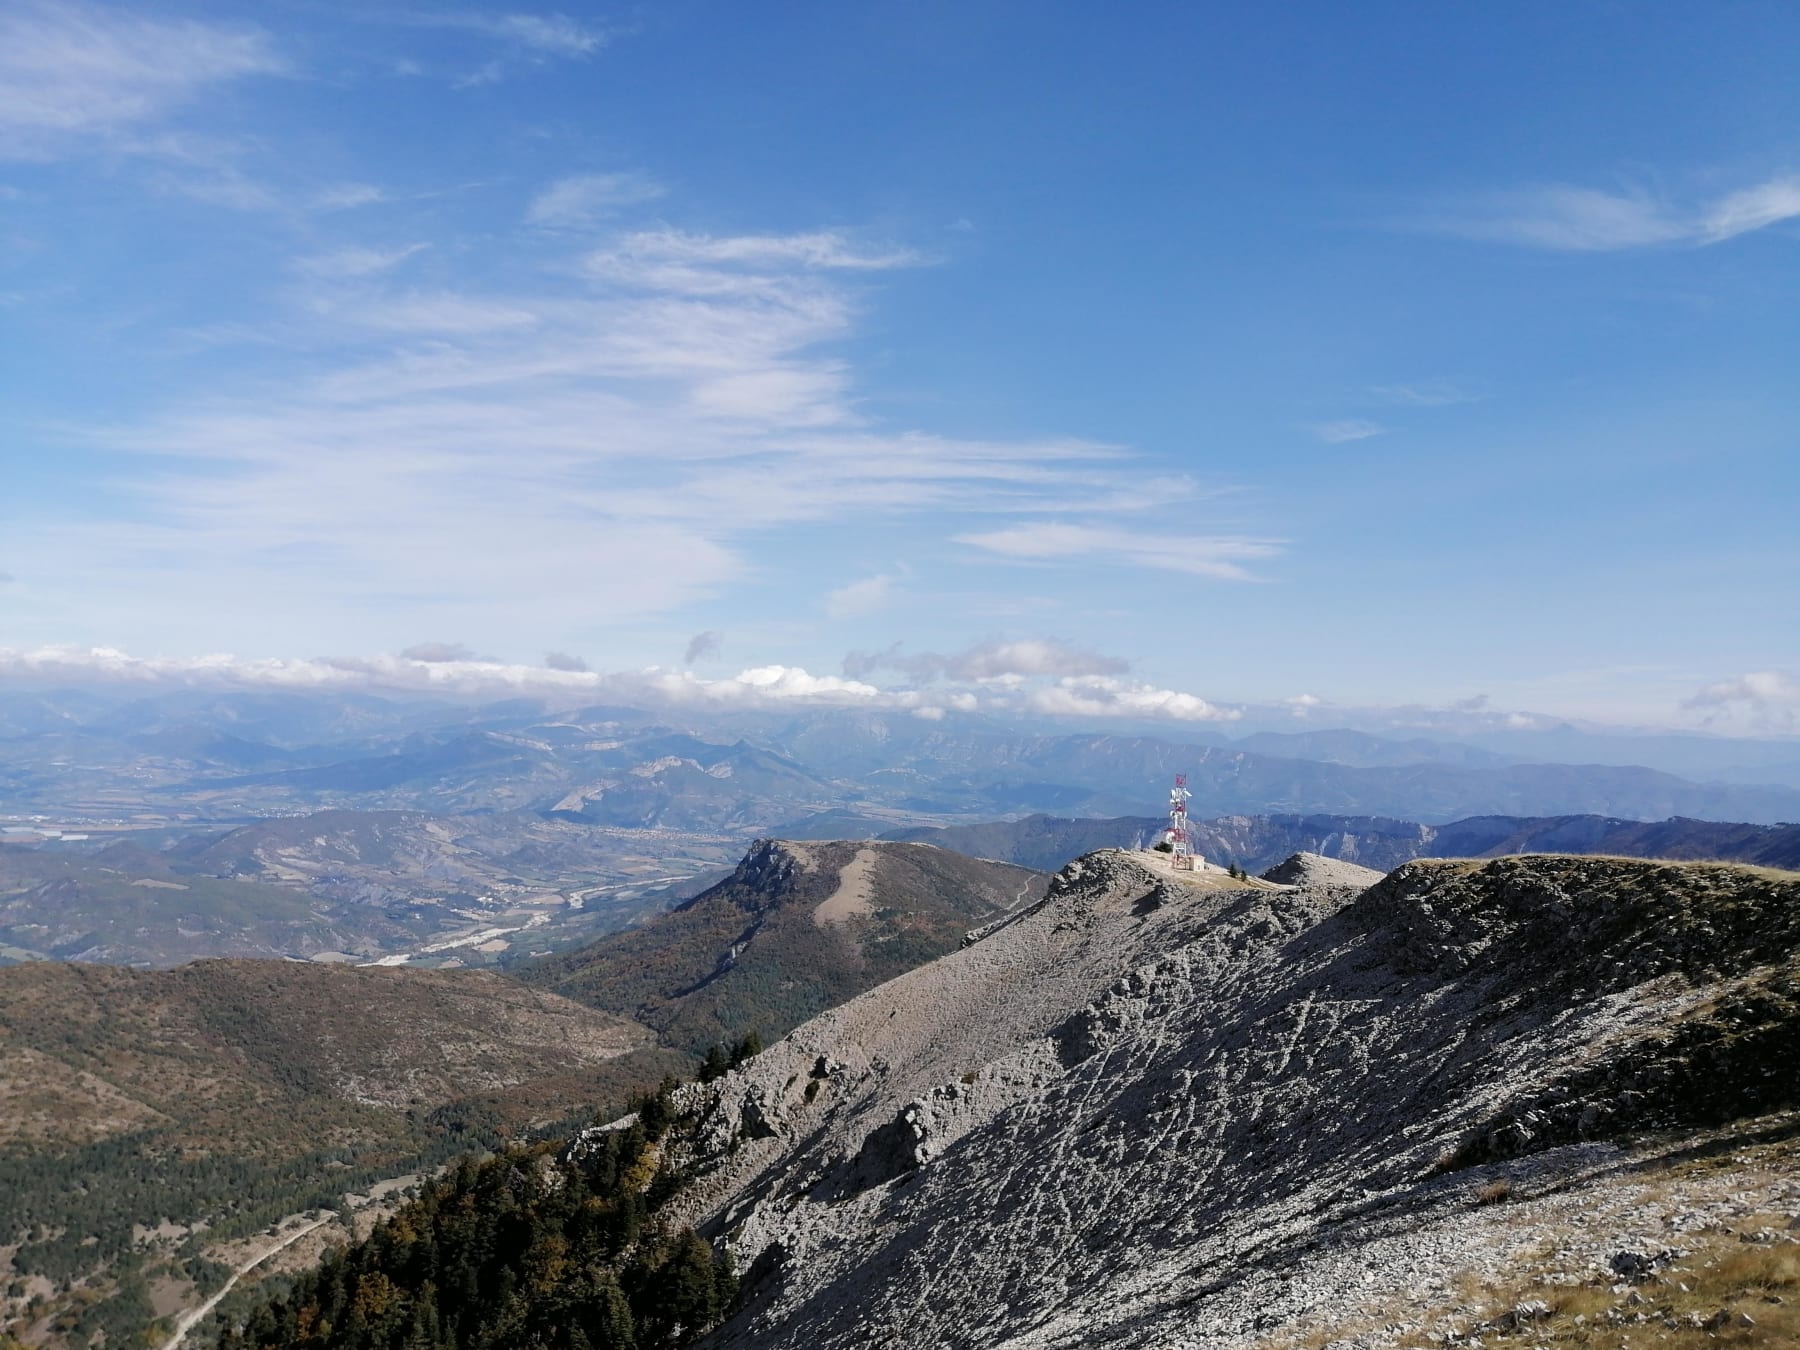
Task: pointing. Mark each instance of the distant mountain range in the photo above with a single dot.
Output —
(225, 757)
(1258, 842)
(358, 827)
(482, 889)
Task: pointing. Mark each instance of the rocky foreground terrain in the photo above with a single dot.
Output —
(1147, 1111)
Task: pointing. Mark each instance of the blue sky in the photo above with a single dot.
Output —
(1139, 359)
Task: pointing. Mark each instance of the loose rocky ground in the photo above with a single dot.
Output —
(1146, 1113)
(1677, 1240)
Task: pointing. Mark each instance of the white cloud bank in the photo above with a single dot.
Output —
(432, 667)
(1104, 696)
(449, 669)
(1768, 700)
(997, 660)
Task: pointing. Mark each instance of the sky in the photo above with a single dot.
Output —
(1137, 360)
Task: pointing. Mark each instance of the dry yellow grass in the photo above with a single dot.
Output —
(1725, 1292)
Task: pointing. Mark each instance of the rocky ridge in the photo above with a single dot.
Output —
(1383, 843)
(1146, 1114)
(796, 928)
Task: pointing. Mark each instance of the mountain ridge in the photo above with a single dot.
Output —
(797, 927)
(1258, 842)
(645, 769)
(1190, 1093)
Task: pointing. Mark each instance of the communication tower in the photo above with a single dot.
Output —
(1180, 842)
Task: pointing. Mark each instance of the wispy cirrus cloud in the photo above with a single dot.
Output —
(516, 41)
(73, 75)
(1347, 429)
(585, 199)
(526, 462)
(556, 34)
(1572, 218)
(1425, 394)
(1221, 557)
(347, 263)
(346, 196)
(782, 268)
(856, 599)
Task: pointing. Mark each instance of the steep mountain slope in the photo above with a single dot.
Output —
(1104, 774)
(226, 1094)
(1143, 1113)
(1383, 843)
(1366, 751)
(220, 1051)
(797, 928)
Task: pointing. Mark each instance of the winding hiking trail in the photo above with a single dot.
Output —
(190, 1319)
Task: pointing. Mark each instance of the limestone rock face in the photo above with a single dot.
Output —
(1143, 1113)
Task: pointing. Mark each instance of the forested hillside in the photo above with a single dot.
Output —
(533, 1249)
(202, 1104)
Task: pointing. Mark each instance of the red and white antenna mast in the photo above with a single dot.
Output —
(1181, 843)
